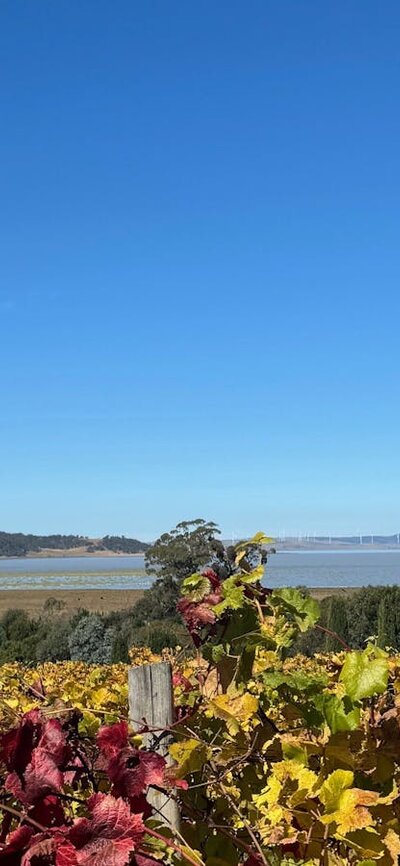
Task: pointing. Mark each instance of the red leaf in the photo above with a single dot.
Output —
(112, 738)
(41, 777)
(48, 811)
(110, 836)
(35, 752)
(196, 614)
(40, 852)
(53, 740)
(50, 851)
(16, 745)
(130, 770)
(72, 775)
(16, 843)
(178, 679)
(212, 577)
(146, 860)
(66, 855)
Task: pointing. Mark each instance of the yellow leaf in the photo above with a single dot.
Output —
(349, 817)
(235, 709)
(333, 787)
(193, 854)
(392, 842)
(190, 756)
(101, 696)
(344, 805)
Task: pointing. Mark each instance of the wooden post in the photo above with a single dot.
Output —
(151, 702)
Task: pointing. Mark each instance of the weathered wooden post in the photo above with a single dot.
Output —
(151, 702)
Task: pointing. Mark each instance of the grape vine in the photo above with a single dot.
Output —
(278, 759)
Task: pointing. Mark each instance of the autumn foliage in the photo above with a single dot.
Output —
(278, 759)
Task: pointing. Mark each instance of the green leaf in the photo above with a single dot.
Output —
(233, 596)
(292, 751)
(274, 679)
(365, 674)
(196, 587)
(245, 667)
(253, 576)
(339, 714)
(305, 609)
(219, 848)
(297, 681)
(218, 652)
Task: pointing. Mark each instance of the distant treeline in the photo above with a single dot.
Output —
(89, 637)
(370, 613)
(18, 544)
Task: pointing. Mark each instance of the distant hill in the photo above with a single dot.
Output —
(332, 542)
(366, 539)
(18, 544)
(338, 542)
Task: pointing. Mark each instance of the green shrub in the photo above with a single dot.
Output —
(91, 641)
(53, 645)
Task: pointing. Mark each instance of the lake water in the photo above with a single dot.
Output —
(294, 568)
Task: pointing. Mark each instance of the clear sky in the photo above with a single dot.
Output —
(199, 265)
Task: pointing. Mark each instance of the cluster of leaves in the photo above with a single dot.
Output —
(278, 759)
(83, 802)
(289, 758)
(75, 787)
(99, 693)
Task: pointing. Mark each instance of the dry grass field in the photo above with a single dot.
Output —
(94, 600)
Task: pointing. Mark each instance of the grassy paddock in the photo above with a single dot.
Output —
(93, 600)
(100, 600)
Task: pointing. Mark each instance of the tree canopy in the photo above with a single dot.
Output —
(190, 546)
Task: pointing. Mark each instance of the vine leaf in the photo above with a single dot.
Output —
(365, 674)
(304, 608)
(392, 842)
(235, 709)
(55, 849)
(16, 843)
(130, 770)
(346, 806)
(339, 714)
(332, 789)
(196, 587)
(190, 756)
(232, 596)
(109, 836)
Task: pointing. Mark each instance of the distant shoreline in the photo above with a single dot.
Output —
(280, 547)
(74, 553)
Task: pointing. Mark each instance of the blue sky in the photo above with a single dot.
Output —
(199, 265)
